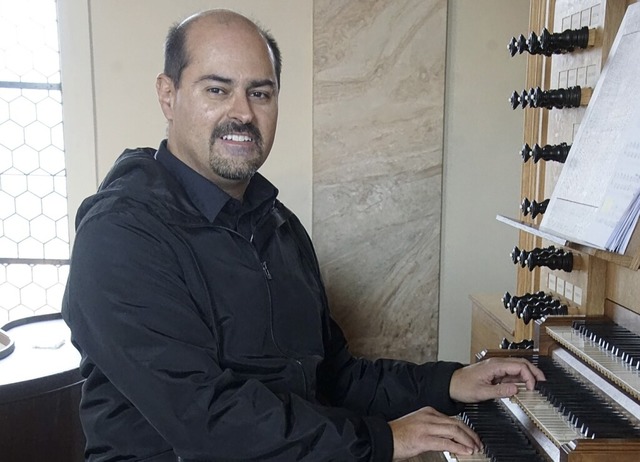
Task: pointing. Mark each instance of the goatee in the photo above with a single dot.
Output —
(235, 169)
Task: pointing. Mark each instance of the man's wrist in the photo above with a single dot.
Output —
(381, 438)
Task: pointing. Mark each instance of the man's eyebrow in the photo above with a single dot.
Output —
(217, 78)
(262, 83)
(252, 84)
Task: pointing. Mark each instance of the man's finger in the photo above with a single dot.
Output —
(441, 425)
(445, 444)
(520, 368)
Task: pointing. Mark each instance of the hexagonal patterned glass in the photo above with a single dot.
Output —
(34, 237)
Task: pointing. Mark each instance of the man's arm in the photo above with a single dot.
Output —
(406, 394)
(416, 397)
(385, 387)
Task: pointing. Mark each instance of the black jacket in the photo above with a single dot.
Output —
(201, 341)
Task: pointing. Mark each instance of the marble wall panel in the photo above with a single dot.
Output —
(377, 169)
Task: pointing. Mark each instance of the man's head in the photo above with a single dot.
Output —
(219, 94)
(176, 57)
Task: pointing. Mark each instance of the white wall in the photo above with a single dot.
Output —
(111, 52)
(483, 136)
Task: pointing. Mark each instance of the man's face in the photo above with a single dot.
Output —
(222, 117)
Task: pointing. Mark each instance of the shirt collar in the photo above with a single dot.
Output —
(208, 198)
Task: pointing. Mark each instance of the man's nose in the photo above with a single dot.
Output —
(241, 109)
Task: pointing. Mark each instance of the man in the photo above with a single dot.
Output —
(196, 300)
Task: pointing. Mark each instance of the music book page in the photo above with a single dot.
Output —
(596, 197)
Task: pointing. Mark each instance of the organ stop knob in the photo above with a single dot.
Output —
(548, 43)
(549, 152)
(534, 207)
(558, 98)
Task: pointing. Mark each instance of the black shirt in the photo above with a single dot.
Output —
(215, 204)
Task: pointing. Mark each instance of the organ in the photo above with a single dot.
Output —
(589, 409)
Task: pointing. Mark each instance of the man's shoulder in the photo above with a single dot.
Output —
(132, 165)
(110, 207)
(139, 184)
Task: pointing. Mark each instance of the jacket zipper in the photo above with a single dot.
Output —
(268, 277)
(265, 268)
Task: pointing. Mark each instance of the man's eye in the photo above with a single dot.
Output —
(260, 95)
(215, 90)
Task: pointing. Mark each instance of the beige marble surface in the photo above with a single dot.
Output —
(377, 169)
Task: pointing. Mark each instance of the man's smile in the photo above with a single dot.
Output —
(239, 138)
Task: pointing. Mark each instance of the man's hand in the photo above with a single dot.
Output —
(492, 378)
(428, 430)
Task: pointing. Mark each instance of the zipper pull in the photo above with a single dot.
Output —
(266, 270)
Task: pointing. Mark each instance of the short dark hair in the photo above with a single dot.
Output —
(176, 57)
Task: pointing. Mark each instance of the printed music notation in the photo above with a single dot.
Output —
(597, 197)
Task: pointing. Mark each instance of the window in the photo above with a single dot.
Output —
(34, 234)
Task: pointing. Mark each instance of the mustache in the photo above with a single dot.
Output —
(238, 128)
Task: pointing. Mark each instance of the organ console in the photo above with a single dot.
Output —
(576, 312)
(587, 410)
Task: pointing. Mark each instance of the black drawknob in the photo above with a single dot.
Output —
(549, 152)
(515, 255)
(523, 345)
(533, 44)
(515, 100)
(549, 99)
(555, 259)
(533, 207)
(563, 42)
(532, 312)
(538, 208)
(550, 43)
(505, 300)
(522, 44)
(514, 301)
(559, 98)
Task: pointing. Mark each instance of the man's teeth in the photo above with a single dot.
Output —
(237, 138)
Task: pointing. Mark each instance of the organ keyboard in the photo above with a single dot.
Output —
(587, 410)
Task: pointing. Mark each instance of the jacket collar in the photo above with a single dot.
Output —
(138, 177)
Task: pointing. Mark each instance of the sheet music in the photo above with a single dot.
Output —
(596, 197)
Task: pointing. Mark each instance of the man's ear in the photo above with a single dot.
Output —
(166, 92)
